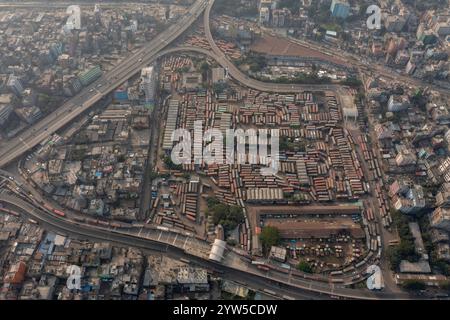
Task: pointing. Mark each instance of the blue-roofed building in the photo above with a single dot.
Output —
(47, 246)
(120, 95)
(340, 9)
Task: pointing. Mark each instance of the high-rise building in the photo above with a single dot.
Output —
(71, 85)
(402, 58)
(266, 4)
(398, 103)
(405, 158)
(443, 196)
(16, 273)
(264, 15)
(56, 49)
(340, 9)
(15, 85)
(394, 23)
(74, 20)
(5, 111)
(148, 84)
(29, 114)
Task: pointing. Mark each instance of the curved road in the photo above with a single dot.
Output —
(97, 90)
(246, 80)
(124, 70)
(127, 68)
(297, 288)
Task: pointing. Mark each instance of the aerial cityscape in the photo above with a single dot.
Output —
(225, 150)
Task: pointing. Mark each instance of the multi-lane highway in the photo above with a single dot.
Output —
(85, 233)
(220, 57)
(97, 90)
(92, 94)
(181, 245)
(282, 283)
(124, 70)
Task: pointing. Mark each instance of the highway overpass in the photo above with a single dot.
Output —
(294, 287)
(97, 90)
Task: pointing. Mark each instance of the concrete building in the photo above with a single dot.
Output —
(442, 26)
(400, 186)
(219, 75)
(280, 18)
(266, 4)
(5, 111)
(278, 253)
(411, 201)
(443, 170)
(5, 107)
(74, 20)
(15, 85)
(264, 16)
(383, 131)
(193, 279)
(405, 157)
(29, 114)
(440, 218)
(402, 58)
(16, 273)
(340, 9)
(376, 280)
(394, 23)
(192, 80)
(148, 84)
(398, 103)
(443, 196)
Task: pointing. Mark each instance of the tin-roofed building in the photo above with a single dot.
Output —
(171, 124)
(90, 75)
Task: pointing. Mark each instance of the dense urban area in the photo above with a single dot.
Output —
(350, 99)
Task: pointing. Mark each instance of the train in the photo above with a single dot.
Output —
(53, 210)
(9, 212)
(59, 213)
(114, 224)
(263, 267)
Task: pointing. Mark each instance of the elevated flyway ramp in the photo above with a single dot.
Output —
(97, 90)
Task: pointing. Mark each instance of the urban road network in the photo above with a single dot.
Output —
(177, 246)
(283, 284)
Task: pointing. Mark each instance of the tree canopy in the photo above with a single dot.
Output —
(227, 216)
(270, 236)
(414, 285)
(305, 267)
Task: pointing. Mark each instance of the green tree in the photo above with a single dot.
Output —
(204, 67)
(305, 267)
(270, 236)
(352, 82)
(170, 165)
(414, 285)
(211, 202)
(445, 286)
(227, 216)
